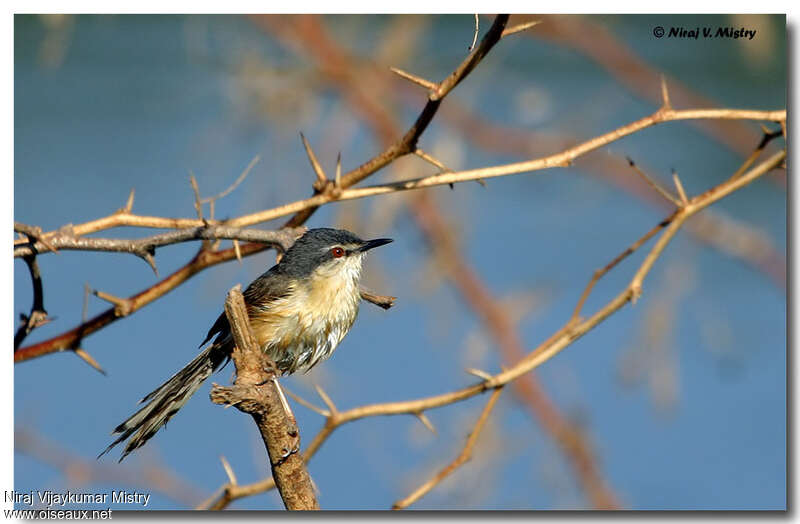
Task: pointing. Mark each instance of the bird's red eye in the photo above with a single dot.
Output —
(337, 252)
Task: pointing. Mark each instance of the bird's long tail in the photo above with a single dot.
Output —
(167, 399)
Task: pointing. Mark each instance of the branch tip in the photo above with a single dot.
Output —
(666, 104)
(129, 204)
(427, 84)
(679, 186)
(519, 28)
(86, 357)
(238, 250)
(122, 306)
(228, 471)
(382, 301)
(479, 373)
(326, 399)
(198, 205)
(319, 184)
(426, 422)
(337, 181)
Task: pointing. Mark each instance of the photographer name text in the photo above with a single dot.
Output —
(54, 498)
(710, 32)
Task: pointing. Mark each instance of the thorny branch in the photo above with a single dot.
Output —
(562, 159)
(573, 329)
(145, 248)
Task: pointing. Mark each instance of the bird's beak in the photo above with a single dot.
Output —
(369, 244)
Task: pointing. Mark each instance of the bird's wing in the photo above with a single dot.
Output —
(269, 286)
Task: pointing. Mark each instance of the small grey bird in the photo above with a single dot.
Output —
(299, 310)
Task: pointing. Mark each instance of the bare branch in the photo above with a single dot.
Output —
(38, 315)
(145, 247)
(464, 456)
(256, 392)
(562, 159)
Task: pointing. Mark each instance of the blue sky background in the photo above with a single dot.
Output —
(104, 104)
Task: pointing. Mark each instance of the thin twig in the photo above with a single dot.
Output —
(652, 183)
(431, 160)
(598, 274)
(198, 205)
(464, 456)
(235, 184)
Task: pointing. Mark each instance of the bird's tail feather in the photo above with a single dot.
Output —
(167, 399)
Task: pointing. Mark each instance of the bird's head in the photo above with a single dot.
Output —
(327, 252)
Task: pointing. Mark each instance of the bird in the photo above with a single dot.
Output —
(299, 311)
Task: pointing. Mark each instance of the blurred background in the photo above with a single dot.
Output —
(679, 401)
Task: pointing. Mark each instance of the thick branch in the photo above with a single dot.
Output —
(256, 392)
